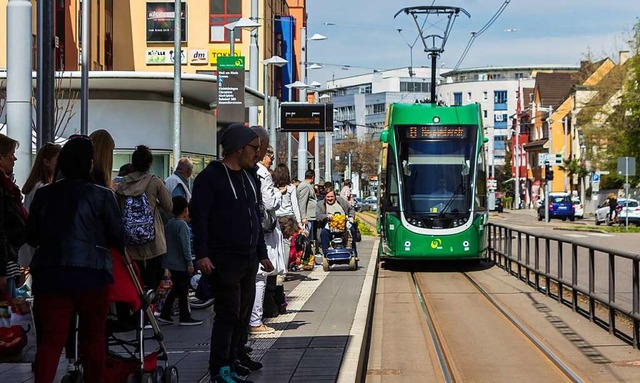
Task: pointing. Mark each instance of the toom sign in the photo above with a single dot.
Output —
(198, 57)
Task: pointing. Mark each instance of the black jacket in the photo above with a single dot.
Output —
(73, 223)
(12, 229)
(225, 213)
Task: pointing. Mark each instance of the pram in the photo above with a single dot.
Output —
(340, 251)
(130, 312)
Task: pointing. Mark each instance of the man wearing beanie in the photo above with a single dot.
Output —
(228, 242)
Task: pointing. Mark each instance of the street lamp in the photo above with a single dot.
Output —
(302, 137)
(279, 62)
(294, 85)
(242, 23)
(328, 149)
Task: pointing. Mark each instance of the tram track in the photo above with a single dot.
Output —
(451, 371)
(440, 324)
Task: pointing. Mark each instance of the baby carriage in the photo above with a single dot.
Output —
(340, 251)
(127, 359)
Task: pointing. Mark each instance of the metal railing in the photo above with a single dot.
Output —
(590, 279)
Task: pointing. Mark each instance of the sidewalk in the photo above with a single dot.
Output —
(308, 345)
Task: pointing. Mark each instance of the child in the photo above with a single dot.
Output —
(178, 260)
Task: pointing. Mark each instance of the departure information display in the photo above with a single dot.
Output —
(436, 132)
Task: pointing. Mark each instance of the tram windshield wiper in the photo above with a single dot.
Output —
(459, 190)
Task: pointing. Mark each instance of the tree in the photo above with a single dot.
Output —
(574, 167)
(364, 156)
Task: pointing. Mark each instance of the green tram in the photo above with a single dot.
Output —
(432, 196)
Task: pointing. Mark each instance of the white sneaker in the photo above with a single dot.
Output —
(262, 329)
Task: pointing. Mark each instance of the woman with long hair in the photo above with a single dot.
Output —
(13, 217)
(103, 146)
(42, 172)
(73, 224)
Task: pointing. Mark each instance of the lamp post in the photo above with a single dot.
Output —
(242, 23)
(279, 62)
(327, 146)
(302, 137)
(294, 85)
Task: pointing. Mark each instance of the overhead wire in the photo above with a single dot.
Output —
(475, 35)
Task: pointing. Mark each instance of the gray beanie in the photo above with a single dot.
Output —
(236, 137)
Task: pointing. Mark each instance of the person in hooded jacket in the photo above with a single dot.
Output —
(147, 255)
(229, 243)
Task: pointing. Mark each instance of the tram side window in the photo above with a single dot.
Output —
(392, 186)
(481, 181)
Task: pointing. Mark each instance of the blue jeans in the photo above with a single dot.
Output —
(325, 237)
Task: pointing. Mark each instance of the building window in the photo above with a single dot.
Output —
(484, 114)
(484, 96)
(223, 12)
(500, 97)
(415, 86)
(457, 99)
(468, 96)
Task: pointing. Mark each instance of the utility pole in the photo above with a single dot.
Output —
(86, 52)
(45, 80)
(302, 136)
(253, 68)
(19, 66)
(177, 76)
(516, 197)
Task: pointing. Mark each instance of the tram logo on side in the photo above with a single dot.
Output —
(436, 244)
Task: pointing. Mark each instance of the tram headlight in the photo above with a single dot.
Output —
(415, 222)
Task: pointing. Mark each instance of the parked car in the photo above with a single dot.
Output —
(578, 206)
(625, 207)
(359, 205)
(560, 206)
(499, 205)
(372, 202)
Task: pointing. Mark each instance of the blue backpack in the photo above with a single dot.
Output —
(138, 219)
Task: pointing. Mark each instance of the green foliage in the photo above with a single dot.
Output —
(364, 228)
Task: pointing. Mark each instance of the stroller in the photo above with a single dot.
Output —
(130, 312)
(340, 251)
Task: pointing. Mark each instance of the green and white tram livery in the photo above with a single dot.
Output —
(433, 192)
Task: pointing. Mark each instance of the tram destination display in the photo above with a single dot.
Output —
(436, 132)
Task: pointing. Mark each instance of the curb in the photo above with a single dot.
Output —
(353, 364)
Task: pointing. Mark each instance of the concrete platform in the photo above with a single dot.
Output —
(318, 340)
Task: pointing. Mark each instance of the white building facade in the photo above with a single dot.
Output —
(496, 90)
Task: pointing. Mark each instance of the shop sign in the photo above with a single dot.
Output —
(163, 57)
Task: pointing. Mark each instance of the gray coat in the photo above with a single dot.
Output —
(321, 212)
(307, 201)
(179, 256)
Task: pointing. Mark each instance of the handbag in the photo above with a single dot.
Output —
(204, 290)
(269, 221)
(358, 234)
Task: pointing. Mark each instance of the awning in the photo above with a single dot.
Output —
(536, 145)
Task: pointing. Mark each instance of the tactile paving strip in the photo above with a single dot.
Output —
(295, 301)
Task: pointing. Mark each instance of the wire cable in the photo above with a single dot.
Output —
(474, 35)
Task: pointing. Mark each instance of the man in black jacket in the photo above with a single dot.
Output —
(228, 242)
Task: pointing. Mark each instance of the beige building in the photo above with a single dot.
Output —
(136, 38)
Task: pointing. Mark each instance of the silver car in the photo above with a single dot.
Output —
(626, 207)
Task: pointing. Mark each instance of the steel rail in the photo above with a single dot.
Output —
(566, 370)
(435, 338)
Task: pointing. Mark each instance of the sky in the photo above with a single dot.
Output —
(364, 34)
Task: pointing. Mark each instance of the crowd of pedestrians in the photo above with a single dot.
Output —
(236, 226)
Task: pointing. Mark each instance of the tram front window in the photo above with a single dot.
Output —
(436, 177)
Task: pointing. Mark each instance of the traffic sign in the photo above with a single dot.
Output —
(595, 177)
